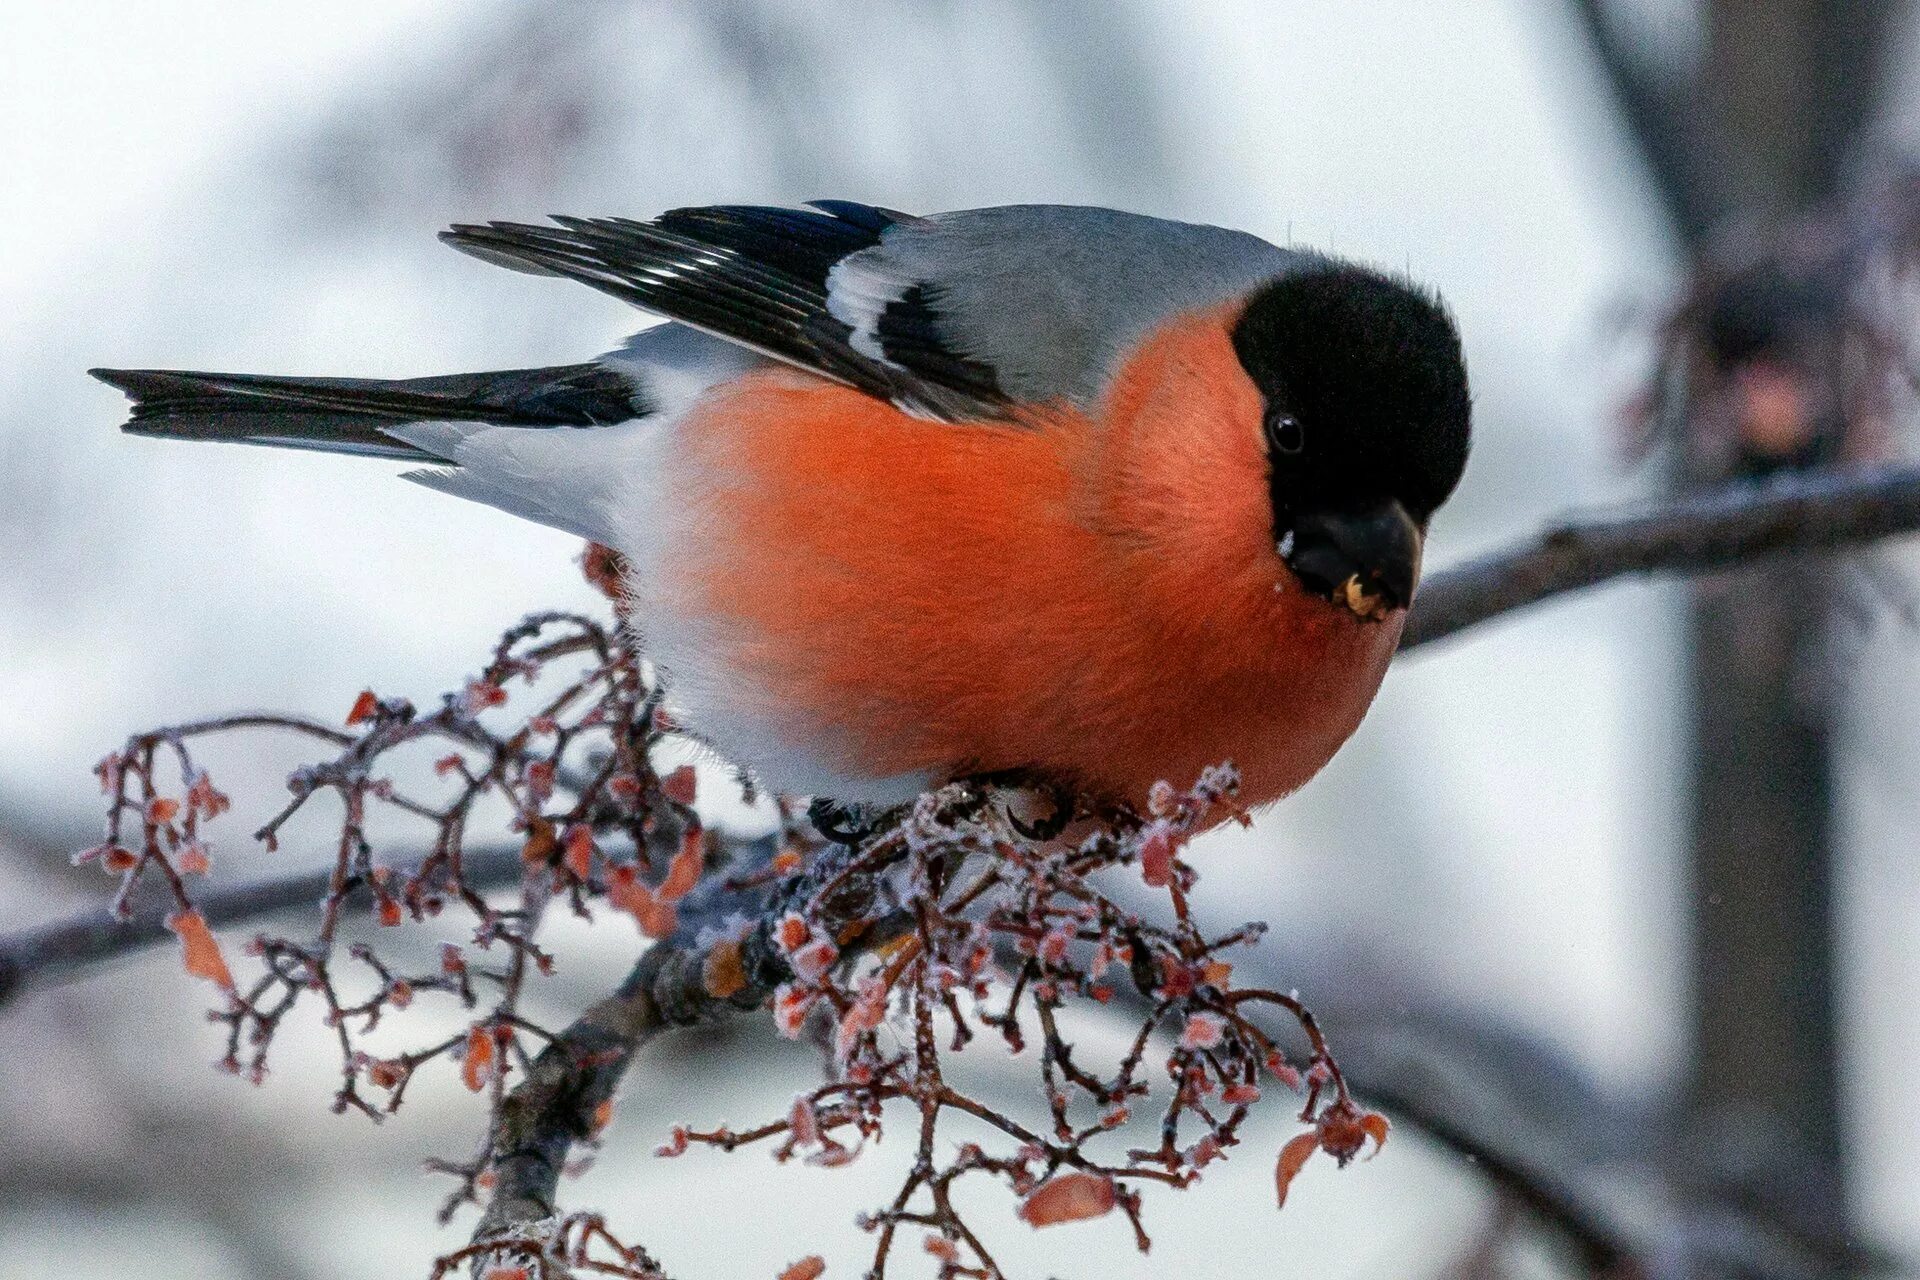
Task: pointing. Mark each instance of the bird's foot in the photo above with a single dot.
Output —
(1057, 803)
(843, 823)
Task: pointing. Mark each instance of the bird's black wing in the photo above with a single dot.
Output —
(758, 276)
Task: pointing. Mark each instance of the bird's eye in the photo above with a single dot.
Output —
(1287, 434)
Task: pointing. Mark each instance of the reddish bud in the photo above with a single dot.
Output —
(1069, 1197)
(688, 865)
(603, 566)
(813, 960)
(1053, 946)
(808, 1268)
(1203, 1031)
(1156, 858)
(160, 809)
(679, 786)
(542, 844)
(790, 1007)
(627, 893)
(1344, 1130)
(803, 1122)
(579, 855)
(481, 694)
(862, 1016)
(477, 1066)
(1282, 1070)
(832, 1155)
(365, 707)
(540, 777)
(792, 933)
(723, 974)
(1176, 979)
(198, 949)
(1293, 1158)
(201, 796)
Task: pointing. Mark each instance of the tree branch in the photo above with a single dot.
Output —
(552, 1108)
(1662, 124)
(696, 976)
(1806, 511)
(681, 981)
(54, 950)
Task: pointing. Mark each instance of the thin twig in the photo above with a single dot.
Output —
(68, 947)
(1708, 531)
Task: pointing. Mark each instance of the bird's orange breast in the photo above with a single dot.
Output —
(1095, 596)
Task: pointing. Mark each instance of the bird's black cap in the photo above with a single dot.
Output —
(1367, 425)
(1365, 386)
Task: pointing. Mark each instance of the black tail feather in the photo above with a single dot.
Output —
(347, 415)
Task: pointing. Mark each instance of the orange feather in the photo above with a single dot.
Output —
(1094, 596)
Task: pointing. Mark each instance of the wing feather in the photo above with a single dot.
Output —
(753, 275)
(967, 315)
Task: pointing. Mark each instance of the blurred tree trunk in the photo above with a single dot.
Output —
(1790, 85)
(1767, 130)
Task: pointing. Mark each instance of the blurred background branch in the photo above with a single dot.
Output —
(1506, 924)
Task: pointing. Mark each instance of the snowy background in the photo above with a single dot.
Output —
(256, 187)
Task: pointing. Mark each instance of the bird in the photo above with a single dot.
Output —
(1061, 493)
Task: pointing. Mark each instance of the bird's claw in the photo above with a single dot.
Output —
(1054, 823)
(847, 824)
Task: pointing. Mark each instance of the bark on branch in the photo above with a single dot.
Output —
(680, 982)
(1808, 511)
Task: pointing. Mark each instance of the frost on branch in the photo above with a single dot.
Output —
(976, 931)
(949, 927)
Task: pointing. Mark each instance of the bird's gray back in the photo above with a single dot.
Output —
(1052, 296)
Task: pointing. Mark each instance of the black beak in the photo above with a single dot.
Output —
(1365, 559)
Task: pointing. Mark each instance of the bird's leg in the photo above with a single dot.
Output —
(1061, 800)
(848, 824)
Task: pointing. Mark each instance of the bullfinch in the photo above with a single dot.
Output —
(1054, 492)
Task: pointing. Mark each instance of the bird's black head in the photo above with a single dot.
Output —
(1366, 424)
